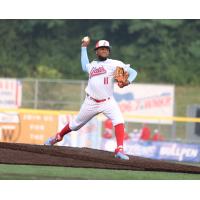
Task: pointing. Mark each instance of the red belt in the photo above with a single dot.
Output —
(97, 100)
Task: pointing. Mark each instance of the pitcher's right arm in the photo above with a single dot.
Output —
(84, 58)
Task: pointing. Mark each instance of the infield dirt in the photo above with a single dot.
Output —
(26, 154)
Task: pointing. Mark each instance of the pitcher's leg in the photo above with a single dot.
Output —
(112, 111)
(86, 113)
(119, 134)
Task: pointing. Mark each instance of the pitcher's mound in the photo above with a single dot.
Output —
(17, 153)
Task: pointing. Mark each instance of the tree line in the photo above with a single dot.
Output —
(162, 50)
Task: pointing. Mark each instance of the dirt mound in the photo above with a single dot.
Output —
(17, 153)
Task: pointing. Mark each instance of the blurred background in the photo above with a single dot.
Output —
(162, 51)
(41, 81)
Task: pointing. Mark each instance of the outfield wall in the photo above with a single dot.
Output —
(176, 151)
(35, 126)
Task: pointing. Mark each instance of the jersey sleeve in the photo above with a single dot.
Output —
(121, 64)
(84, 59)
(132, 74)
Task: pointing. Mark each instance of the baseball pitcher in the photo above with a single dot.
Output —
(102, 73)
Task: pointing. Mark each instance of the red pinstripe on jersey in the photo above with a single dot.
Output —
(105, 80)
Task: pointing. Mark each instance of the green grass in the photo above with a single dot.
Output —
(29, 172)
(184, 96)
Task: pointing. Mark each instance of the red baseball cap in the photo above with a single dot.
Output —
(102, 43)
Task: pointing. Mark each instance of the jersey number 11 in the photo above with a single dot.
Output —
(105, 80)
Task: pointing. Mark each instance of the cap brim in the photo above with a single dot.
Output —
(110, 47)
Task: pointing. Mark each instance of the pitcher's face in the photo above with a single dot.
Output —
(103, 52)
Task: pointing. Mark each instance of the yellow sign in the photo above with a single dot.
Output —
(36, 128)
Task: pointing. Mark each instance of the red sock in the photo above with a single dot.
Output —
(119, 133)
(65, 130)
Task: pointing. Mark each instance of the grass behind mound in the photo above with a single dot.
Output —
(30, 172)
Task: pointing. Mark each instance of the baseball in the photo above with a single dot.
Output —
(86, 39)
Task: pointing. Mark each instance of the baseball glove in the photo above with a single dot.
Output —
(121, 77)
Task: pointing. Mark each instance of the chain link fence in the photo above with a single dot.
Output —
(53, 94)
(68, 95)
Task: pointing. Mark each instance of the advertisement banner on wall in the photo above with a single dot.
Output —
(179, 152)
(175, 151)
(146, 100)
(9, 127)
(10, 93)
(36, 128)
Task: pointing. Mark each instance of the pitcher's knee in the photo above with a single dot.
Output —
(116, 122)
(74, 126)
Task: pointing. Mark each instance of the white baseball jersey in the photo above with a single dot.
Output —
(100, 87)
(101, 81)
